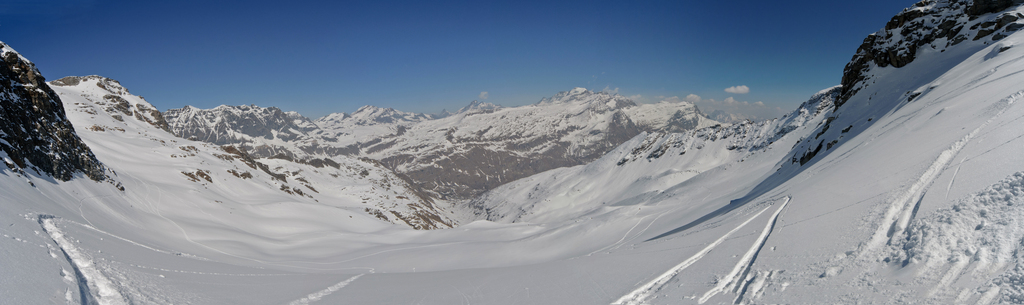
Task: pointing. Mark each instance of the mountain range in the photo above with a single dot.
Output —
(902, 184)
(454, 157)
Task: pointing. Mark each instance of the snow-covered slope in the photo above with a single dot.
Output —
(133, 139)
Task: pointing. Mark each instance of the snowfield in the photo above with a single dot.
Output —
(909, 191)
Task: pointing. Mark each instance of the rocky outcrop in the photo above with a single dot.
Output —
(114, 99)
(34, 130)
(936, 24)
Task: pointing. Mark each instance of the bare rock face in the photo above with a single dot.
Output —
(936, 24)
(34, 130)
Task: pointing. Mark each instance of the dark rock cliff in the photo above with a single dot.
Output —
(34, 130)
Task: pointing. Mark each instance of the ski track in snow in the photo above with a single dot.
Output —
(733, 280)
(624, 236)
(641, 294)
(93, 285)
(316, 296)
(952, 179)
(900, 212)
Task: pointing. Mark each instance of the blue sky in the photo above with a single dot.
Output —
(318, 57)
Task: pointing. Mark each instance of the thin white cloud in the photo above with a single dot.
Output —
(692, 98)
(608, 89)
(738, 89)
(484, 95)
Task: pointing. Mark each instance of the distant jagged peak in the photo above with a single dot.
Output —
(596, 99)
(265, 115)
(250, 108)
(334, 117)
(938, 25)
(371, 109)
(477, 106)
(373, 115)
(443, 114)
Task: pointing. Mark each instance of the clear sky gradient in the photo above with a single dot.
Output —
(318, 57)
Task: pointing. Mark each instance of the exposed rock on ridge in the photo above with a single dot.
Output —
(936, 24)
(115, 100)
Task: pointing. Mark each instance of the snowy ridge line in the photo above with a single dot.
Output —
(900, 212)
(641, 294)
(90, 279)
(732, 281)
(316, 296)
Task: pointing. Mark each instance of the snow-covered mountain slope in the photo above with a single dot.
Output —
(457, 156)
(643, 170)
(907, 190)
(133, 140)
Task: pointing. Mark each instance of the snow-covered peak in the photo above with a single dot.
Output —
(476, 106)
(106, 84)
(368, 108)
(669, 116)
(599, 101)
(373, 115)
(332, 118)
